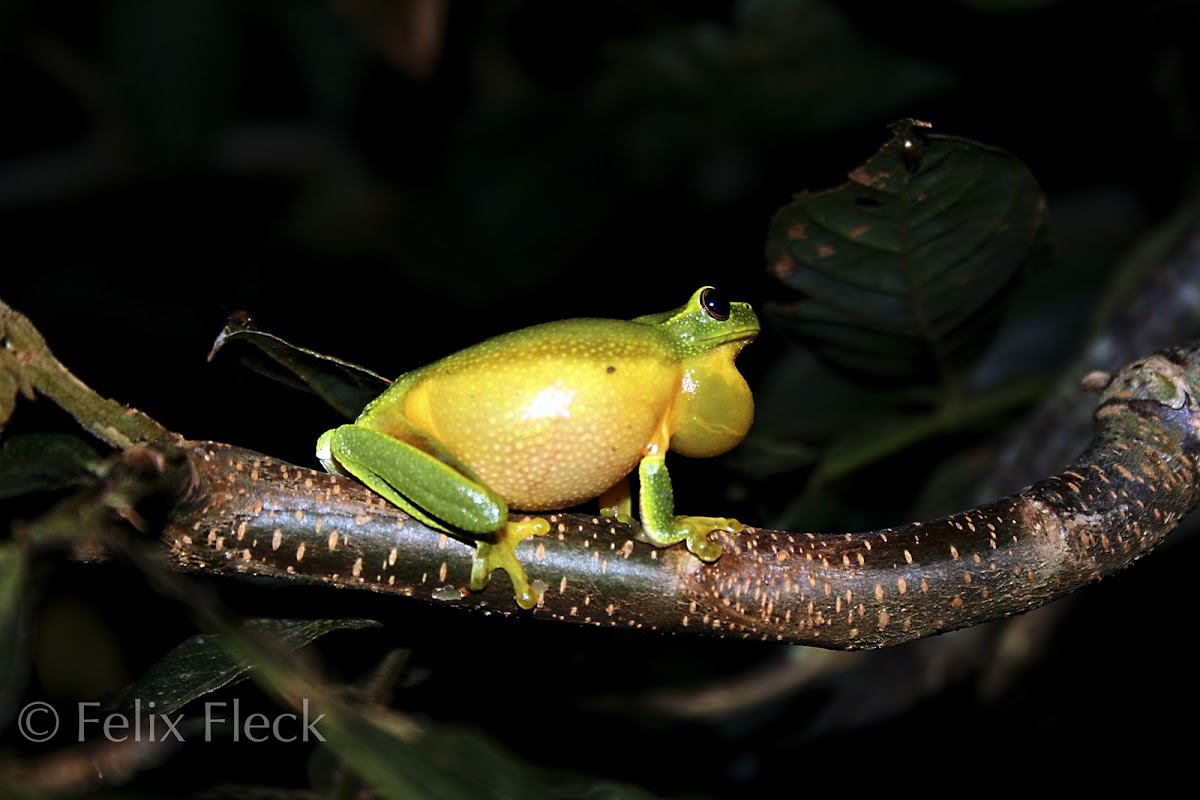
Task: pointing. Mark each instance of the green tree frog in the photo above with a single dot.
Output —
(551, 415)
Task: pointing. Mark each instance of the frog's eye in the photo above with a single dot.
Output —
(715, 304)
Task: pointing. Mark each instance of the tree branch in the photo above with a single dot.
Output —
(244, 512)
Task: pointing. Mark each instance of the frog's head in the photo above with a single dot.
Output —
(714, 408)
(706, 322)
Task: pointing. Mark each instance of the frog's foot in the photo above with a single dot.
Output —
(501, 554)
(621, 516)
(694, 532)
(617, 502)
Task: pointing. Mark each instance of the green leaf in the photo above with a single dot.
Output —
(470, 764)
(344, 386)
(13, 655)
(800, 406)
(12, 376)
(8, 395)
(389, 751)
(394, 754)
(203, 664)
(397, 760)
(432, 764)
(887, 436)
(43, 461)
(664, 86)
(903, 270)
(174, 70)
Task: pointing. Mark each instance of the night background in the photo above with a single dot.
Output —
(387, 181)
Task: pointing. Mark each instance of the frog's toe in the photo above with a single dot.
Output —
(697, 529)
(501, 554)
(528, 596)
(699, 545)
(482, 566)
(731, 525)
(614, 512)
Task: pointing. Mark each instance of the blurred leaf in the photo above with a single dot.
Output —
(1007, 6)
(175, 69)
(42, 461)
(408, 33)
(326, 55)
(66, 626)
(202, 664)
(381, 746)
(485, 769)
(532, 179)
(1142, 260)
(800, 406)
(452, 761)
(345, 386)
(8, 395)
(13, 379)
(885, 437)
(516, 172)
(393, 754)
(902, 271)
(14, 658)
(10, 15)
(780, 71)
(398, 760)
(398, 764)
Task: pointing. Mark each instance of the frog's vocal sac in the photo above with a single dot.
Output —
(548, 416)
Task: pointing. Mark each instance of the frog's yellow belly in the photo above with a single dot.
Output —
(551, 437)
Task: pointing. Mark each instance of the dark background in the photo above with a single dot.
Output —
(386, 193)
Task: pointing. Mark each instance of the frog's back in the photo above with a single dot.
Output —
(546, 416)
(552, 344)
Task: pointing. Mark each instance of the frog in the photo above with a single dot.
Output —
(552, 415)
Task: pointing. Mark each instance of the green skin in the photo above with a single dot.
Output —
(549, 416)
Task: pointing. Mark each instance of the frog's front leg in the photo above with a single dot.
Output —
(437, 490)
(660, 527)
(656, 500)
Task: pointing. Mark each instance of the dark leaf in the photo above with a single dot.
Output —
(8, 396)
(13, 651)
(813, 54)
(43, 461)
(903, 270)
(432, 764)
(887, 435)
(202, 664)
(326, 55)
(344, 386)
(483, 768)
(395, 756)
(175, 68)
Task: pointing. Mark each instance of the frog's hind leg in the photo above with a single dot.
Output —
(501, 553)
(440, 492)
(430, 486)
(617, 502)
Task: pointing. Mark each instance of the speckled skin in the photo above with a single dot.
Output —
(555, 414)
(552, 415)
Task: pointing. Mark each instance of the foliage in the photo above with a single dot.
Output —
(387, 181)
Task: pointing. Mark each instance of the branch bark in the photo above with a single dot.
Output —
(244, 512)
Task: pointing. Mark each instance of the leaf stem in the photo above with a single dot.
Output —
(24, 354)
